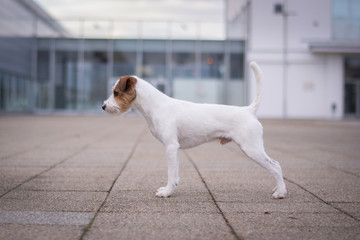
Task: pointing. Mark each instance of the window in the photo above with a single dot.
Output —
(66, 80)
(94, 86)
(236, 66)
(124, 63)
(212, 65)
(183, 65)
(346, 20)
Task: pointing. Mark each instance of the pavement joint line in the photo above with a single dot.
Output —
(44, 218)
(46, 170)
(305, 158)
(87, 228)
(39, 146)
(232, 230)
(314, 160)
(72, 190)
(54, 165)
(331, 150)
(319, 198)
(322, 200)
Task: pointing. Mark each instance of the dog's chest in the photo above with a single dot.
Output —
(156, 129)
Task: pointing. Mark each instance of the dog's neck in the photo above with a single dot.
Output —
(148, 98)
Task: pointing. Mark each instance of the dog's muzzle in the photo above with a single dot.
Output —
(103, 106)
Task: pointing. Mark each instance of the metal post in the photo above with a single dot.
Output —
(246, 55)
(80, 68)
(110, 56)
(198, 59)
(52, 69)
(34, 66)
(13, 95)
(139, 57)
(226, 77)
(285, 61)
(168, 66)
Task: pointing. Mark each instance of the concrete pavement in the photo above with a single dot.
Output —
(95, 177)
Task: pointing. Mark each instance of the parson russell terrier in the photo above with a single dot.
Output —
(180, 124)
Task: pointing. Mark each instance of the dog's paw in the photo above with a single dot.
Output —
(163, 192)
(279, 193)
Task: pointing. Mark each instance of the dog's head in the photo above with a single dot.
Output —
(122, 97)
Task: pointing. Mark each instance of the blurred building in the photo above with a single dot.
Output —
(309, 52)
(74, 69)
(20, 20)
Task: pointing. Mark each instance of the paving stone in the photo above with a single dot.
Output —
(11, 177)
(98, 158)
(321, 157)
(300, 233)
(353, 208)
(39, 232)
(276, 207)
(145, 202)
(72, 179)
(250, 187)
(247, 223)
(152, 180)
(159, 226)
(52, 201)
(329, 184)
(37, 158)
(48, 218)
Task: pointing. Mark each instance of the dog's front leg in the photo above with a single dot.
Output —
(173, 169)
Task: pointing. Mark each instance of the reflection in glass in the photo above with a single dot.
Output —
(154, 65)
(42, 85)
(94, 89)
(65, 80)
(183, 65)
(212, 65)
(236, 66)
(124, 63)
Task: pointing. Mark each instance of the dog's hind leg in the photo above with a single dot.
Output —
(273, 167)
(253, 147)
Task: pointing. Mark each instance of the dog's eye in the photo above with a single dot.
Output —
(116, 93)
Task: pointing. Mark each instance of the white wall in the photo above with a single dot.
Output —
(314, 81)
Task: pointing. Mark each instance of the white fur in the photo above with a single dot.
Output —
(180, 124)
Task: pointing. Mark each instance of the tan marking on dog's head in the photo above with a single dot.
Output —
(124, 92)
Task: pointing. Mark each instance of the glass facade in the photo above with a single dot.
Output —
(42, 92)
(77, 74)
(346, 20)
(14, 92)
(124, 60)
(352, 87)
(65, 80)
(154, 59)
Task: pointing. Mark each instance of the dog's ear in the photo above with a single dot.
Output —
(126, 83)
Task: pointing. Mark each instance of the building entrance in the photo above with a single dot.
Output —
(352, 87)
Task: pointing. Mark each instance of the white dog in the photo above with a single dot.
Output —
(181, 124)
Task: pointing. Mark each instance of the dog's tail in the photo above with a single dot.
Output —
(258, 76)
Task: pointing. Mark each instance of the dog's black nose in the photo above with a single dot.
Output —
(104, 106)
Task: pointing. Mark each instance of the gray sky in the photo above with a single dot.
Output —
(192, 10)
(190, 18)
